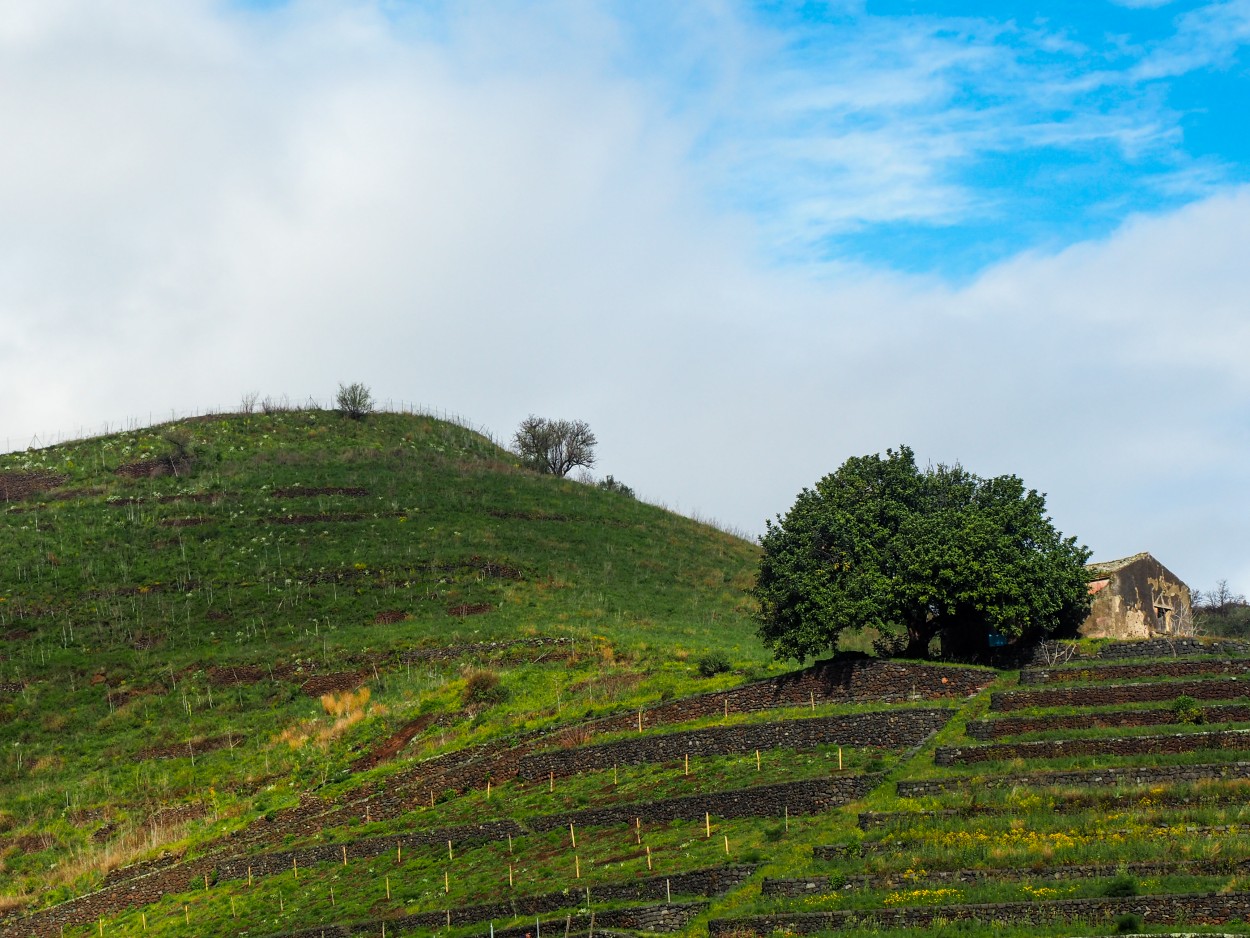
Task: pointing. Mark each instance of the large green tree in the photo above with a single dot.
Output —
(917, 553)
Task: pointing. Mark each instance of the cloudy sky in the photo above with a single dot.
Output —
(744, 241)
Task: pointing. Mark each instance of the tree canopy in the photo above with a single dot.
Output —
(916, 553)
(555, 446)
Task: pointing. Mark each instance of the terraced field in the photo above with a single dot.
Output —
(287, 674)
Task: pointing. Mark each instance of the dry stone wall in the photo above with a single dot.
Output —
(1236, 740)
(1202, 909)
(653, 918)
(896, 729)
(806, 797)
(1018, 726)
(1114, 694)
(1121, 672)
(816, 885)
(706, 883)
(1051, 654)
(1135, 775)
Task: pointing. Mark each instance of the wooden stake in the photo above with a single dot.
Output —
(613, 773)
(577, 867)
(331, 895)
(101, 928)
(638, 829)
(399, 852)
(431, 797)
(639, 721)
(295, 866)
(551, 781)
(787, 809)
(726, 708)
(812, 694)
(509, 875)
(450, 855)
(345, 856)
(367, 813)
(142, 915)
(234, 914)
(446, 881)
(687, 763)
(726, 845)
(186, 913)
(757, 760)
(509, 845)
(648, 857)
(488, 789)
(449, 918)
(839, 758)
(206, 882)
(668, 891)
(388, 887)
(707, 821)
(249, 877)
(572, 835)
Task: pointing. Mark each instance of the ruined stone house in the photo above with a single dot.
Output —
(1136, 597)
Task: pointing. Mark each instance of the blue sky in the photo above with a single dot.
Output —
(744, 241)
(927, 137)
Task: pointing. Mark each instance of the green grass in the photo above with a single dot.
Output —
(116, 614)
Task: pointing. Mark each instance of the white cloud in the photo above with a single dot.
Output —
(204, 207)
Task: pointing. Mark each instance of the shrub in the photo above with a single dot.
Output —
(483, 687)
(613, 485)
(1186, 710)
(713, 663)
(1127, 923)
(354, 401)
(1122, 887)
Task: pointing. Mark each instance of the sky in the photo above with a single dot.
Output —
(743, 240)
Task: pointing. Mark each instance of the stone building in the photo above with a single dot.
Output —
(1136, 597)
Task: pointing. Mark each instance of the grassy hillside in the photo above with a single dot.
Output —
(317, 553)
(294, 675)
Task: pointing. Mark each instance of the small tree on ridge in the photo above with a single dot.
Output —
(555, 446)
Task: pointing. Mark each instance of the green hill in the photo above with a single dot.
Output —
(175, 600)
(294, 674)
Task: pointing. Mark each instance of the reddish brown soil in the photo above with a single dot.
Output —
(299, 492)
(469, 609)
(191, 747)
(18, 485)
(389, 748)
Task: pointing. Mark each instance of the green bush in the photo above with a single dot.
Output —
(354, 401)
(483, 687)
(1122, 887)
(615, 485)
(1186, 710)
(1127, 923)
(713, 663)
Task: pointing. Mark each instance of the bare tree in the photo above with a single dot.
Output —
(555, 446)
(354, 401)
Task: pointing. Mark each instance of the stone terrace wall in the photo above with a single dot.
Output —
(897, 729)
(805, 797)
(815, 885)
(1111, 746)
(1050, 654)
(653, 918)
(1136, 775)
(1120, 672)
(1208, 909)
(710, 882)
(827, 681)
(1017, 726)
(1112, 694)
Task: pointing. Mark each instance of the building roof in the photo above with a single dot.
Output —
(1107, 567)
